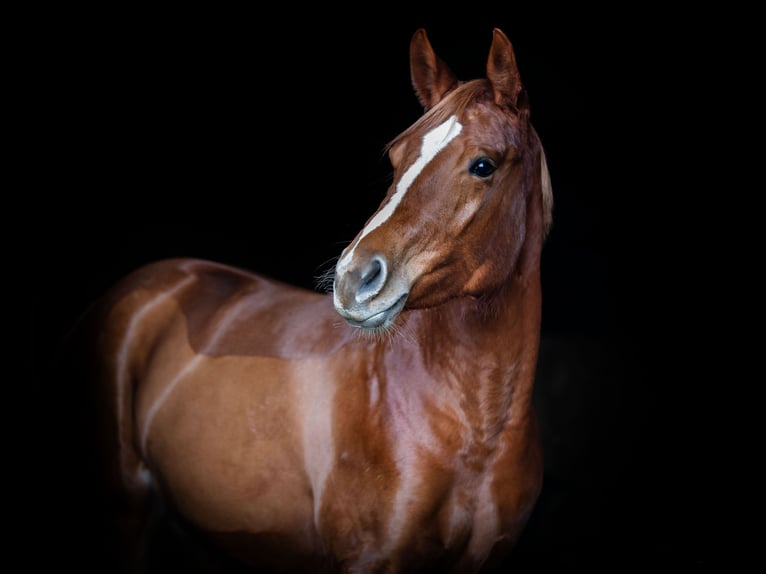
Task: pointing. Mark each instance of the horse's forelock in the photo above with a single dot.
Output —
(452, 104)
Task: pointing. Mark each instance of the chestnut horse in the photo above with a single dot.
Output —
(381, 424)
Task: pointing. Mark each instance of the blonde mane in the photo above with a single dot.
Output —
(547, 188)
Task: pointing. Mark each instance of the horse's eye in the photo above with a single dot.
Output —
(482, 167)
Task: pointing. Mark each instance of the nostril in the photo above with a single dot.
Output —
(372, 280)
(371, 274)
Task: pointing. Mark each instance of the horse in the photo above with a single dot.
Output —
(381, 422)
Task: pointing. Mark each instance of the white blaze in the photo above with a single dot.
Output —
(433, 142)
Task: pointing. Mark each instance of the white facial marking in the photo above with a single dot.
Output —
(433, 142)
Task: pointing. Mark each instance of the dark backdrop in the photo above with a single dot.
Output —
(256, 139)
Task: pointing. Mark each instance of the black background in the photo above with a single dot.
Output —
(256, 139)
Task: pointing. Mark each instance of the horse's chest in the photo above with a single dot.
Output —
(425, 513)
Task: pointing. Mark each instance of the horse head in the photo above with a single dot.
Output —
(469, 202)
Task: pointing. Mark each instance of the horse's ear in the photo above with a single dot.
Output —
(503, 73)
(431, 77)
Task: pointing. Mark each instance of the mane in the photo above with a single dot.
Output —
(547, 187)
(456, 102)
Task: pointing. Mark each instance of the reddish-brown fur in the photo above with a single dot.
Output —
(294, 441)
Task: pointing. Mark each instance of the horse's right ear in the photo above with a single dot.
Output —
(431, 77)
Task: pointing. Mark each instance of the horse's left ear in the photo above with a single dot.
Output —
(503, 73)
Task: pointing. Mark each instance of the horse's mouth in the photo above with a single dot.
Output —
(381, 319)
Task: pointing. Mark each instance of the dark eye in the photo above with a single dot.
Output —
(482, 167)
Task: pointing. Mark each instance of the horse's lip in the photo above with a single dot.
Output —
(381, 318)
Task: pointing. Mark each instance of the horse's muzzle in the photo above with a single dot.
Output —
(378, 320)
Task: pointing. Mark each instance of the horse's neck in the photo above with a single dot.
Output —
(485, 352)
